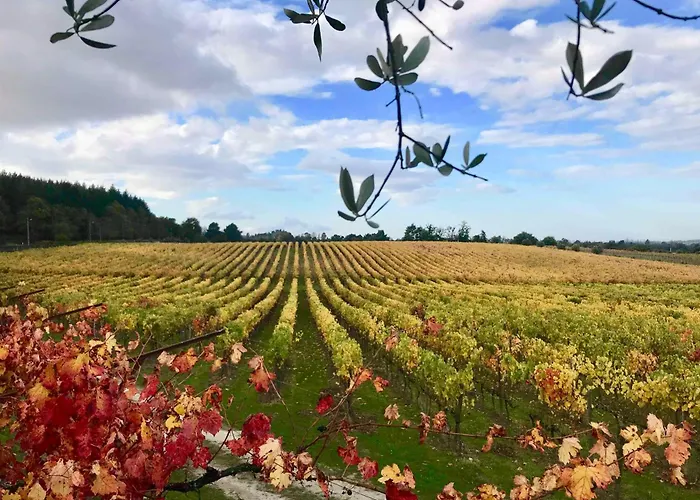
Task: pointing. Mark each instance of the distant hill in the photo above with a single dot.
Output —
(64, 211)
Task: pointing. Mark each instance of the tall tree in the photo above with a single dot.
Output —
(191, 230)
(232, 233)
(214, 232)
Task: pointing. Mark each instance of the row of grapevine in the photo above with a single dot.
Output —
(283, 334)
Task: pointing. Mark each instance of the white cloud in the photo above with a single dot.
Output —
(520, 139)
(526, 29)
(434, 91)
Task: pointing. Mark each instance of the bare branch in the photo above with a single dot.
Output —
(666, 14)
(212, 475)
(424, 25)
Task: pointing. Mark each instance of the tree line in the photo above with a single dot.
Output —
(462, 233)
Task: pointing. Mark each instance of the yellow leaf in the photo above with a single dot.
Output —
(38, 394)
(634, 442)
(11, 496)
(37, 492)
(393, 473)
(270, 451)
(60, 479)
(172, 422)
(4, 353)
(278, 477)
(569, 449)
(180, 410)
(655, 431)
(105, 483)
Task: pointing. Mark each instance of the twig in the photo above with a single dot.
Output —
(443, 42)
(666, 14)
(184, 343)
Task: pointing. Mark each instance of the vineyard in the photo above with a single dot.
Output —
(486, 333)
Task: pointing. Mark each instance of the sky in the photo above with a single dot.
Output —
(221, 110)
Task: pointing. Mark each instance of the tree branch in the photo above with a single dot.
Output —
(666, 14)
(212, 475)
(414, 16)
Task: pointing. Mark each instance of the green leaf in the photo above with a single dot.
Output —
(100, 23)
(367, 85)
(291, 14)
(573, 56)
(335, 24)
(398, 50)
(318, 3)
(366, 190)
(610, 70)
(311, 6)
(421, 5)
(445, 170)
(444, 148)
(382, 62)
(70, 7)
(57, 37)
(465, 154)
(585, 9)
(407, 79)
(407, 156)
(437, 152)
(372, 224)
(417, 55)
(476, 161)
(374, 66)
(90, 5)
(422, 154)
(607, 11)
(607, 94)
(346, 216)
(380, 208)
(95, 44)
(381, 10)
(317, 40)
(597, 9)
(347, 191)
(458, 4)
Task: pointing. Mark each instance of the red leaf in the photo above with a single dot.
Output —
(135, 465)
(152, 382)
(349, 454)
(210, 421)
(393, 492)
(238, 447)
(201, 457)
(184, 361)
(368, 468)
(323, 483)
(325, 403)
(256, 429)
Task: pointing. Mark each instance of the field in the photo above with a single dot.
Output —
(484, 331)
(676, 258)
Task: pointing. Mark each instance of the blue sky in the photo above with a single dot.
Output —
(222, 111)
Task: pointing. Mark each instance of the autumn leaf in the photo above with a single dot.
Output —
(261, 379)
(105, 483)
(391, 473)
(449, 493)
(278, 477)
(394, 492)
(677, 476)
(494, 431)
(237, 353)
(391, 412)
(323, 483)
(349, 453)
(36, 492)
(60, 479)
(133, 344)
(585, 478)
(424, 427)
(38, 394)
(570, 447)
(184, 361)
(361, 376)
(600, 430)
(392, 340)
(655, 431)
(256, 429)
(631, 435)
(325, 403)
(439, 421)
(255, 363)
(380, 384)
(270, 450)
(409, 480)
(678, 450)
(487, 492)
(166, 359)
(637, 460)
(368, 468)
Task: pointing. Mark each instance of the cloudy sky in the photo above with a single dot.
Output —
(220, 109)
